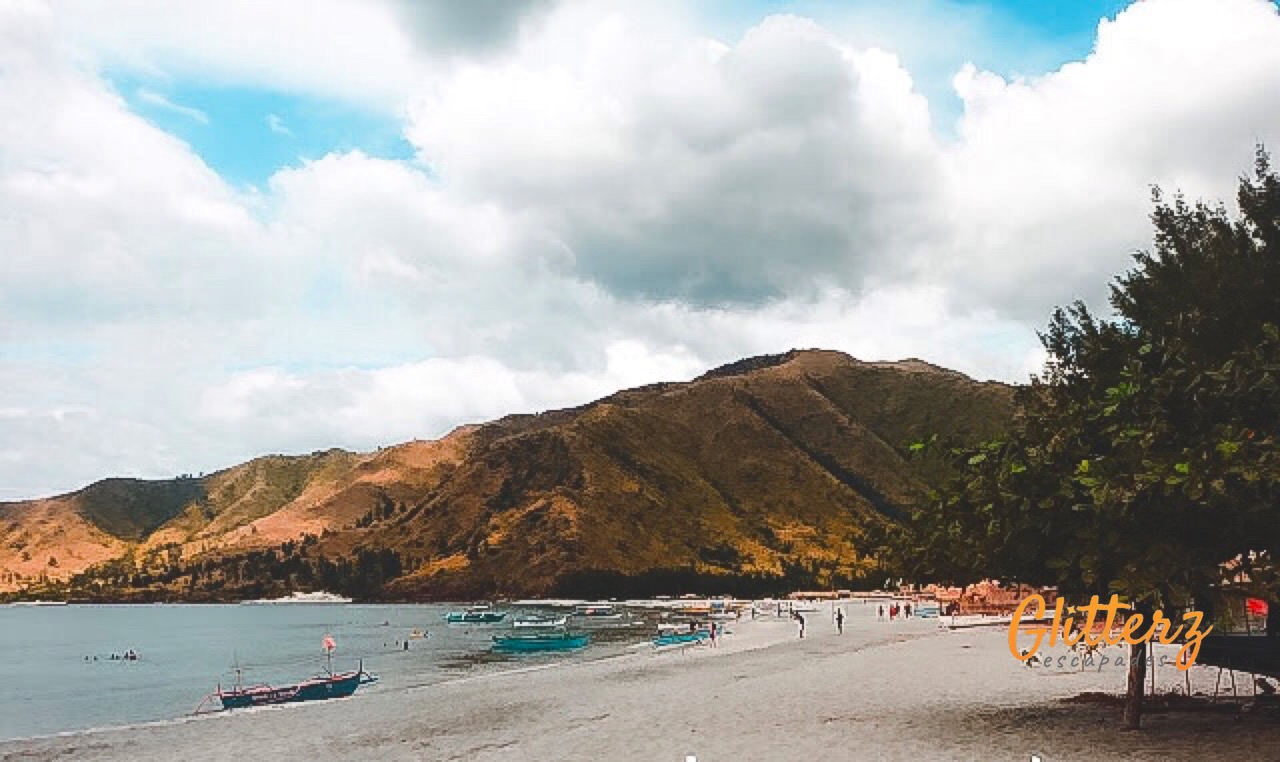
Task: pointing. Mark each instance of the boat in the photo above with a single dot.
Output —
(475, 615)
(597, 613)
(539, 623)
(296, 597)
(417, 634)
(542, 641)
(327, 686)
(694, 610)
(681, 638)
(683, 626)
(321, 687)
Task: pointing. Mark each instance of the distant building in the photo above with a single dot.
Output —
(986, 597)
(825, 595)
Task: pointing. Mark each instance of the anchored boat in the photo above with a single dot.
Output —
(597, 613)
(559, 641)
(327, 686)
(335, 685)
(539, 623)
(296, 597)
(681, 638)
(475, 615)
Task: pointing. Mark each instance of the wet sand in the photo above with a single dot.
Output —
(903, 690)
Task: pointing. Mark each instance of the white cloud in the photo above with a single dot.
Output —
(606, 197)
(276, 125)
(103, 214)
(156, 99)
(357, 51)
(369, 408)
(476, 26)
(1046, 188)
(686, 169)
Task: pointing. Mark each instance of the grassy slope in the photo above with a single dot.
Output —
(777, 461)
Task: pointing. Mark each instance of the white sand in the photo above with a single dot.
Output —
(904, 690)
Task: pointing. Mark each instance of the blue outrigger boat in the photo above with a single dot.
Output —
(475, 615)
(558, 641)
(681, 638)
(318, 688)
(327, 686)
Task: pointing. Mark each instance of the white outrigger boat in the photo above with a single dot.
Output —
(596, 613)
(540, 623)
(317, 597)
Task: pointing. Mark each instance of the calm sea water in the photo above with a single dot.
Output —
(57, 673)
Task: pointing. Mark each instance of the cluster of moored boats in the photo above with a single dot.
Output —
(565, 632)
(529, 633)
(532, 633)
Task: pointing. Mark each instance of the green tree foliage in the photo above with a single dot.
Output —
(1146, 456)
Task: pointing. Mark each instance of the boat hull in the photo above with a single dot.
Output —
(681, 639)
(597, 618)
(540, 624)
(533, 643)
(474, 617)
(316, 689)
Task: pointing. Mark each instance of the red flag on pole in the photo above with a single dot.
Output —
(1256, 606)
(329, 643)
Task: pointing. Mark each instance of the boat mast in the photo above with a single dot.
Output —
(329, 644)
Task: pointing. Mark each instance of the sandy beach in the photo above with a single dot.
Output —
(902, 690)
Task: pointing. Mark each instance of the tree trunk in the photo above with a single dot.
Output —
(1137, 677)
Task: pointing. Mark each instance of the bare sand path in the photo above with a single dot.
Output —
(881, 691)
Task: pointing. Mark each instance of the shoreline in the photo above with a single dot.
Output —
(905, 690)
(735, 644)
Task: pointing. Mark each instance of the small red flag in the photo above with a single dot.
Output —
(1256, 606)
(329, 644)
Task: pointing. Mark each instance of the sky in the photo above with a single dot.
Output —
(238, 228)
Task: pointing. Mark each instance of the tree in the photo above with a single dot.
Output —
(1146, 457)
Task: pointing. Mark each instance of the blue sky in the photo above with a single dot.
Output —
(246, 133)
(1070, 23)
(934, 38)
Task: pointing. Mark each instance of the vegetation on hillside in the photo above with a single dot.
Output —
(130, 509)
(766, 475)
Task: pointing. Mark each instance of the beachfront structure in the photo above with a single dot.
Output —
(823, 595)
(986, 597)
(1246, 629)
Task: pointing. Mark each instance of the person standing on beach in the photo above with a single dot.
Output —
(713, 634)
(799, 618)
(880, 613)
(839, 621)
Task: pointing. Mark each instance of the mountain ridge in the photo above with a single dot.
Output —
(771, 467)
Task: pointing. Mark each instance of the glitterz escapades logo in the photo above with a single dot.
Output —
(1094, 624)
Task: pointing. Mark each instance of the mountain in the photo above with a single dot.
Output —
(771, 470)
